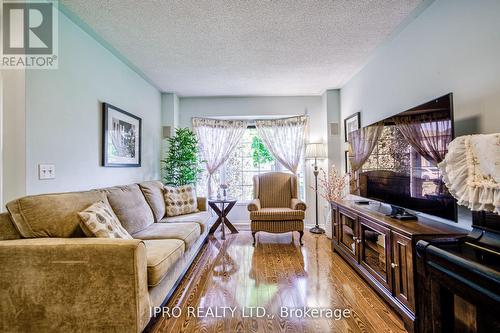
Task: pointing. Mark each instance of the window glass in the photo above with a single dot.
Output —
(250, 158)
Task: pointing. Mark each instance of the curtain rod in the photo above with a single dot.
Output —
(250, 119)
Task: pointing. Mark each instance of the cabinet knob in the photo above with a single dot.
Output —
(393, 265)
(358, 240)
(355, 238)
(335, 224)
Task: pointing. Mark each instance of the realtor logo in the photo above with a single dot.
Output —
(29, 34)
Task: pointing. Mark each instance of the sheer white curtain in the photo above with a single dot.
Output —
(361, 145)
(285, 138)
(217, 140)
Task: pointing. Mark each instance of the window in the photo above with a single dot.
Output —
(250, 158)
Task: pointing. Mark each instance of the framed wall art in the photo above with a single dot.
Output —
(121, 138)
(347, 165)
(351, 124)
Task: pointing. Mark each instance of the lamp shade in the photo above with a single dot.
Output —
(315, 150)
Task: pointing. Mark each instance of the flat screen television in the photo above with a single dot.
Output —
(402, 168)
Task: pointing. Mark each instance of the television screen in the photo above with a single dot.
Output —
(402, 167)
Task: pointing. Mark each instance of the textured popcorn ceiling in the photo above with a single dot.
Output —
(217, 48)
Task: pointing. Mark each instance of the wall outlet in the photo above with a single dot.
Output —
(46, 171)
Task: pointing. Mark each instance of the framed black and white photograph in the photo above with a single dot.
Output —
(347, 164)
(351, 124)
(121, 138)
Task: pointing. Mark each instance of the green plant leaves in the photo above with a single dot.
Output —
(182, 164)
(260, 154)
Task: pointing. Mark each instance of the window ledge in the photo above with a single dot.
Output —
(243, 202)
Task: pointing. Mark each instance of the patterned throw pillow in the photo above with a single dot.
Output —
(100, 221)
(180, 200)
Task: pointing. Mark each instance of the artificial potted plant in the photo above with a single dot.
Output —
(181, 166)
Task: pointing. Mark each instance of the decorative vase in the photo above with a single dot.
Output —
(224, 188)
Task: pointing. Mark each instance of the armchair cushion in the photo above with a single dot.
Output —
(254, 205)
(277, 214)
(275, 189)
(298, 204)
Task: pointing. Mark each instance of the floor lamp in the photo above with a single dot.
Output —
(316, 151)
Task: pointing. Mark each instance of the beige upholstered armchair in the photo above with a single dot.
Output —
(276, 207)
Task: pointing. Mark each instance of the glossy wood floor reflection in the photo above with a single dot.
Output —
(276, 273)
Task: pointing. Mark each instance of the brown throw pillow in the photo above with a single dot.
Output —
(180, 200)
(100, 221)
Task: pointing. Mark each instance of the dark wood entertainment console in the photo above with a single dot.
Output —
(382, 250)
(460, 280)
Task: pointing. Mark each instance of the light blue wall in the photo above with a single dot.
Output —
(257, 107)
(170, 109)
(13, 135)
(63, 115)
(332, 105)
(452, 46)
(170, 118)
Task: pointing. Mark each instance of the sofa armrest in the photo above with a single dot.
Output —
(73, 284)
(202, 203)
(254, 205)
(298, 204)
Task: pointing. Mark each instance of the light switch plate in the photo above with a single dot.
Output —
(46, 171)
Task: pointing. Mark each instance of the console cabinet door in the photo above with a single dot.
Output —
(348, 232)
(335, 223)
(374, 252)
(402, 267)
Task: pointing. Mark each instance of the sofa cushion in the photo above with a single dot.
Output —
(202, 218)
(186, 232)
(130, 207)
(98, 220)
(180, 200)
(51, 215)
(277, 214)
(161, 255)
(153, 192)
(7, 228)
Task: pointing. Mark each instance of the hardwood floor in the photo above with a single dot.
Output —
(274, 274)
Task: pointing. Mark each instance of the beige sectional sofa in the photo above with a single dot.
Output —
(54, 279)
